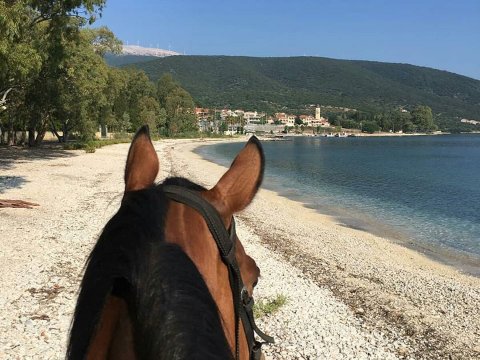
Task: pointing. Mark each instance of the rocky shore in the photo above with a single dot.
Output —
(350, 295)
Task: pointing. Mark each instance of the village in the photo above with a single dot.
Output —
(231, 122)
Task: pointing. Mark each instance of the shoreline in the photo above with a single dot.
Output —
(462, 261)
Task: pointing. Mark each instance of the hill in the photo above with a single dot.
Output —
(146, 51)
(120, 60)
(136, 54)
(293, 83)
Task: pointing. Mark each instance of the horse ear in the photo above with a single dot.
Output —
(142, 162)
(237, 187)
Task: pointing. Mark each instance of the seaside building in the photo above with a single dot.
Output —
(322, 122)
(224, 113)
(285, 119)
(317, 113)
(211, 120)
(467, 121)
(309, 120)
(201, 113)
(253, 117)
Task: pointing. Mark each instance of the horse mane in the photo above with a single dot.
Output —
(173, 313)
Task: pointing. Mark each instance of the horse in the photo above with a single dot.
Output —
(168, 277)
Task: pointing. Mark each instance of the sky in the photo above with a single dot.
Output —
(435, 33)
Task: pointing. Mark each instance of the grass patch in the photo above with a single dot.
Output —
(269, 306)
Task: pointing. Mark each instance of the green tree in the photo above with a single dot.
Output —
(165, 86)
(349, 124)
(179, 107)
(150, 113)
(124, 124)
(162, 121)
(409, 127)
(103, 40)
(138, 87)
(33, 41)
(81, 94)
(223, 127)
(422, 118)
(370, 126)
(400, 119)
(115, 101)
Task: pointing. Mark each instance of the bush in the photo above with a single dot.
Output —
(91, 145)
(74, 146)
(90, 148)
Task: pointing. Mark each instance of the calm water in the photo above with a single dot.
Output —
(424, 191)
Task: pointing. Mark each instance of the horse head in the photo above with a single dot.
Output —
(162, 242)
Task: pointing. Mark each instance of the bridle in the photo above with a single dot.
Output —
(225, 239)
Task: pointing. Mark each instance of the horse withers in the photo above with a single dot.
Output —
(168, 278)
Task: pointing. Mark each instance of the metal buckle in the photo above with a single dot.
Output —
(257, 351)
(247, 300)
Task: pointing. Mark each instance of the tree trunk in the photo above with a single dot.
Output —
(31, 136)
(23, 137)
(31, 130)
(11, 134)
(41, 132)
(65, 132)
(103, 130)
(40, 136)
(54, 130)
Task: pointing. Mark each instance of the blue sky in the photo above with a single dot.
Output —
(440, 34)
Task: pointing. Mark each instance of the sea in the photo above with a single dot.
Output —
(420, 191)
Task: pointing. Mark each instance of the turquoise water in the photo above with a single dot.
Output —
(424, 190)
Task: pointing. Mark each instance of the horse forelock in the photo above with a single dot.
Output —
(173, 313)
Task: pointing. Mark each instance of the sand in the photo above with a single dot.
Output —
(350, 294)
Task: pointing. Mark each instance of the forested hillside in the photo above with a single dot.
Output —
(119, 60)
(293, 83)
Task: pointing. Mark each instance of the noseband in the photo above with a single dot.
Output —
(225, 239)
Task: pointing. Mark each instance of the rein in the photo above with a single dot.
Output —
(225, 239)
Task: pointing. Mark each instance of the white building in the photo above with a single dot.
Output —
(285, 119)
(253, 117)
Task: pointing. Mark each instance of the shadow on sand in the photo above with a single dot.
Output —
(11, 182)
(9, 156)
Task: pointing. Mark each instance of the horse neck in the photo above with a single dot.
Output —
(201, 250)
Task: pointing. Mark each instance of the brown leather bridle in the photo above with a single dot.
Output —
(226, 239)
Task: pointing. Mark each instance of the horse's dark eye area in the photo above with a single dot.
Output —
(257, 277)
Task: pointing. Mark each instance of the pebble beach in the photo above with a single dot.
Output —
(349, 294)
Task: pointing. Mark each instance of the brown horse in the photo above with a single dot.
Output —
(165, 280)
